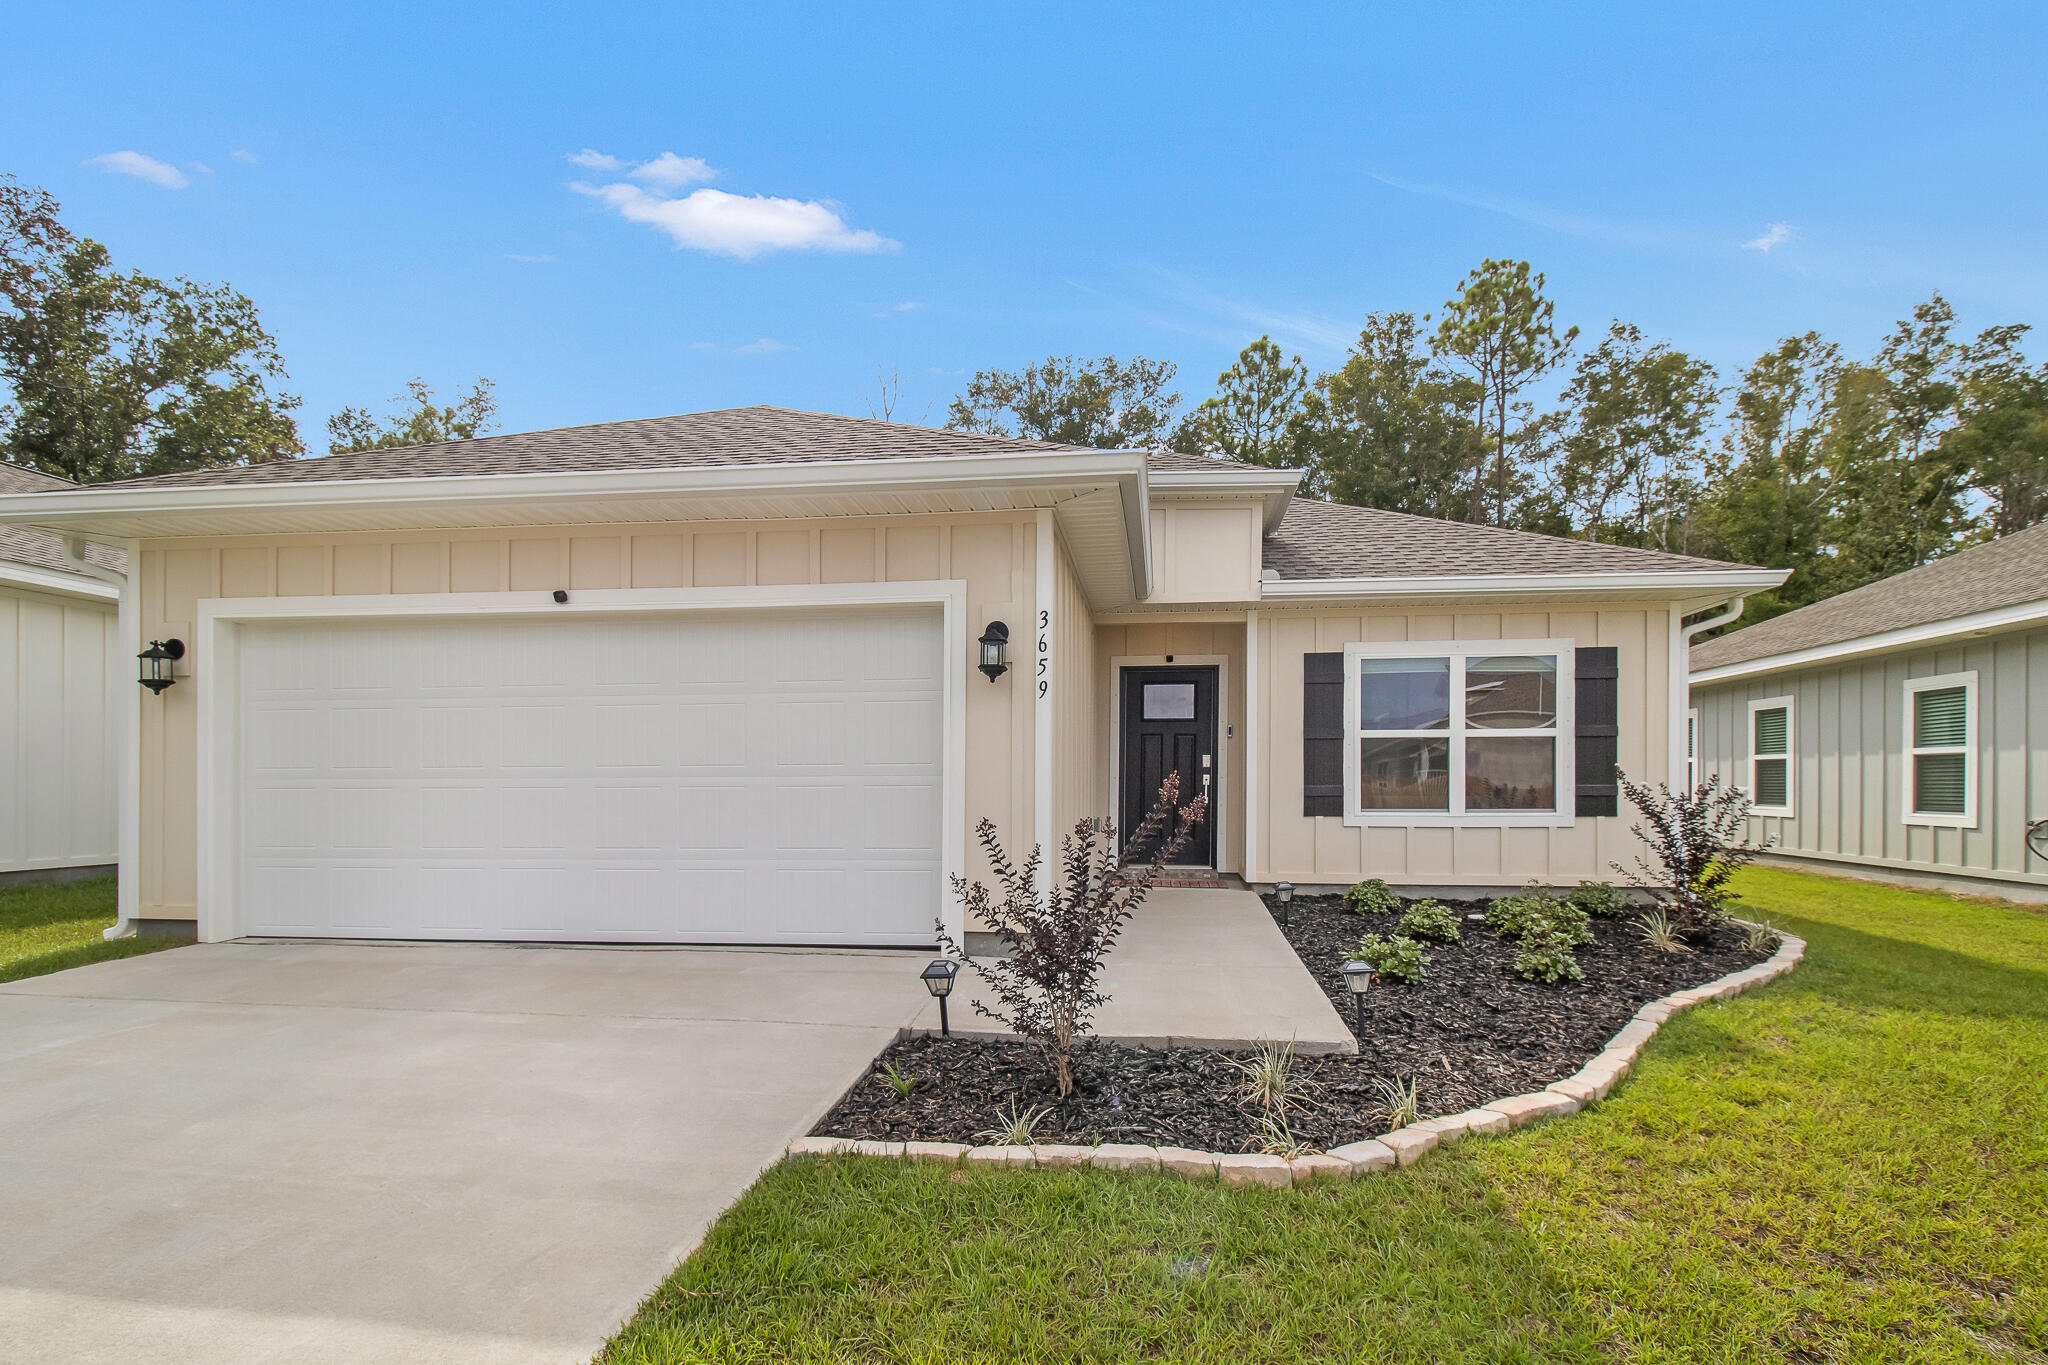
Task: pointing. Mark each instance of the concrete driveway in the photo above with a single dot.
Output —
(349, 1152)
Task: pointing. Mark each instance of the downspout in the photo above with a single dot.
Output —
(1681, 687)
(127, 630)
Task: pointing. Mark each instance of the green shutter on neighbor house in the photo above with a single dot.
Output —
(1770, 733)
(1941, 718)
(1940, 784)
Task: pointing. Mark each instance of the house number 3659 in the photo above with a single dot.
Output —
(1044, 652)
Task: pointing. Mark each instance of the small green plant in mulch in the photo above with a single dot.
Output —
(1601, 900)
(1544, 954)
(1015, 1127)
(902, 1082)
(1510, 916)
(1431, 920)
(1399, 958)
(1271, 1080)
(1372, 897)
(1545, 930)
(1275, 1138)
(1398, 1100)
(1760, 936)
(1656, 929)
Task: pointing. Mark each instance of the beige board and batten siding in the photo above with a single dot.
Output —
(58, 747)
(1849, 741)
(994, 553)
(1324, 850)
(1205, 552)
(1079, 781)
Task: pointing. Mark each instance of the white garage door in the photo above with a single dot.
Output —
(708, 778)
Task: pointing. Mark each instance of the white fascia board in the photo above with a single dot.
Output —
(1681, 583)
(1906, 637)
(1274, 487)
(53, 581)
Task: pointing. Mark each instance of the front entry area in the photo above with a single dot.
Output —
(1167, 724)
(712, 777)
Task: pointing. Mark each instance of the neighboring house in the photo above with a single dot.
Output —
(58, 702)
(1899, 730)
(716, 678)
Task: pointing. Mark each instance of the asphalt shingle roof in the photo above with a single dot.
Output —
(2005, 572)
(1335, 540)
(35, 548)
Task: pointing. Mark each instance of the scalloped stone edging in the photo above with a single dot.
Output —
(1402, 1147)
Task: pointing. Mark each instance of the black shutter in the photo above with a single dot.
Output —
(1322, 734)
(1597, 680)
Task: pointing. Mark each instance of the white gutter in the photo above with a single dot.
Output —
(1275, 487)
(128, 629)
(1656, 581)
(1906, 637)
(49, 580)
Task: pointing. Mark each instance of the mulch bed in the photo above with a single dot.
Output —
(1472, 1032)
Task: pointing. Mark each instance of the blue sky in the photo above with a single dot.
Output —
(971, 186)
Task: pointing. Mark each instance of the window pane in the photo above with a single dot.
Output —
(1404, 774)
(1940, 718)
(1939, 784)
(1169, 701)
(1770, 782)
(1511, 774)
(1770, 731)
(1511, 692)
(1404, 694)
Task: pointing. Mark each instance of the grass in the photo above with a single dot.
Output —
(1847, 1165)
(49, 926)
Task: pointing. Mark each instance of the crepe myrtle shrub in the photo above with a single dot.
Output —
(1697, 840)
(1431, 920)
(1044, 986)
(1371, 897)
(1399, 958)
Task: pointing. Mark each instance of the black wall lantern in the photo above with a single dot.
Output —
(995, 650)
(157, 661)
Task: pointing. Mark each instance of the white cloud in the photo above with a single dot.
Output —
(671, 172)
(243, 154)
(765, 346)
(1777, 234)
(592, 159)
(742, 226)
(539, 258)
(142, 168)
(907, 306)
(201, 167)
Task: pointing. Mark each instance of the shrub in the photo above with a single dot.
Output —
(1602, 900)
(1511, 916)
(1372, 897)
(1544, 930)
(1399, 958)
(1431, 920)
(1698, 839)
(1044, 986)
(1544, 953)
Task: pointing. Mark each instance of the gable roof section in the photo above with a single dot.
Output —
(2010, 572)
(36, 549)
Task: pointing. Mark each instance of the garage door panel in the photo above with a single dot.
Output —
(773, 778)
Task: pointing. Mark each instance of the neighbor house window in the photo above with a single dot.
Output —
(1476, 733)
(1941, 750)
(1770, 756)
(1692, 749)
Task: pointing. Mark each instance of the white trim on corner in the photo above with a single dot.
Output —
(1252, 767)
(1274, 487)
(1906, 637)
(1045, 626)
(56, 581)
(217, 672)
(1790, 756)
(1967, 680)
(1219, 799)
(1657, 582)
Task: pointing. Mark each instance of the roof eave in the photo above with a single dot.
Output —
(1274, 488)
(1999, 619)
(35, 578)
(1689, 588)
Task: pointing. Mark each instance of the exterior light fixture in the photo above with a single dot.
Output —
(1284, 893)
(938, 979)
(156, 664)
(1358, 976)
(995, 650)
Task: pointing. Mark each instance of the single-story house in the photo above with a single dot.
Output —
(753, 676)
(59, 698)
(1898, 731)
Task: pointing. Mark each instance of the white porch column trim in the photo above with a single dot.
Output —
(1253, 768)
(1040, 673)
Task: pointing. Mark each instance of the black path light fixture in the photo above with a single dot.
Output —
(1358, 976)
(995, 650)
(157, 661)
(1283, 892)
(938, 979)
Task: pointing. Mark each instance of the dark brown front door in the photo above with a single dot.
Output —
(1169, 726)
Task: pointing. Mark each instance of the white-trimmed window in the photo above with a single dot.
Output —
(1941, 750)
(1467, 733)
(1771, 771)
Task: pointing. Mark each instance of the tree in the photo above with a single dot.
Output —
(1108, 404)
(111, 376)
(416, 422)
(1388, 428)
(1636, 415)
(1252, 417)
(2001, 441)
(1501, 328)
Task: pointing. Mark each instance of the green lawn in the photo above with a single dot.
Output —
(48, 926)
(1850, 1164)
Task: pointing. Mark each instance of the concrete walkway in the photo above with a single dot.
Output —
(1198, 969)
(315, 1153)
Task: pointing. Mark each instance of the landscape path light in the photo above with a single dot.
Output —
(1358, 976)
(938, 979)
(1284, 893)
